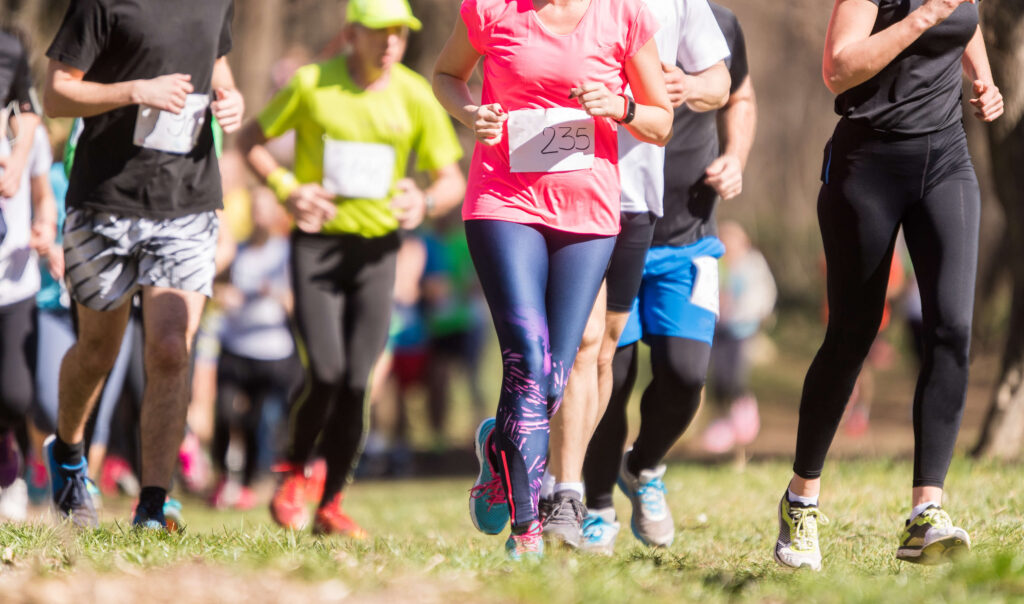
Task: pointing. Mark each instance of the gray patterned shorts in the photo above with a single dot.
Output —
(110, 257)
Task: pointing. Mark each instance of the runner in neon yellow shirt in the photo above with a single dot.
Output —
(357, 118)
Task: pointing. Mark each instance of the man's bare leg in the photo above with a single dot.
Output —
(171, 318)
(85, 367)
(82, 373)
(569, 425)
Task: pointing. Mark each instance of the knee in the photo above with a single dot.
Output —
(686, 375)
(849, 344)
(326, 374)
(95, 357)
(166, 354)
(952, 339)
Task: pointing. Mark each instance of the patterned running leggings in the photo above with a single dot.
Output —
(540, 284)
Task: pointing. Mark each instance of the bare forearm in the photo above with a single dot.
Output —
(975, 60)
(453, 94)
(78, 98)
(251, 145)
(652, 124)
(447, 190)
(738, 123)
(222, 76)
(26, 124)
(708, 90)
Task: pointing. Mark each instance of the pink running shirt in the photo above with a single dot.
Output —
(526, 66)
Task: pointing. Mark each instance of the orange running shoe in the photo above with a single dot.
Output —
(316, 474)
(288, 505)
(331, 520)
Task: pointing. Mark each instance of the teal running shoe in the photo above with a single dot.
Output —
(600, 529)
(652, 520)
(69, 486)
(528, 545)
(488, 506)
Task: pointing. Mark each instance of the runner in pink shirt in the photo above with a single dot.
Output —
(542, 205)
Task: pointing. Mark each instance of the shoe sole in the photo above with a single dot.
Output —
(561, 539)
(808, 566)
(947, 549)
(480, 457)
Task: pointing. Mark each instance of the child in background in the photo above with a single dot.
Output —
(747, 298)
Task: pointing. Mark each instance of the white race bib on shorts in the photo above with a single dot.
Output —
(560, 139)
(705, 284)
(358, 170)
(165, 131)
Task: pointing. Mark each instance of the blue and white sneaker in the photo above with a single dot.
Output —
(488, 506)
(651, 520)
(600, 529)
(70, 488)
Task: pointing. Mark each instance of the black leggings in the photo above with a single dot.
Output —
(873, 184)
(17, 361)
(343, 286)
(258, 382)
(671, 400)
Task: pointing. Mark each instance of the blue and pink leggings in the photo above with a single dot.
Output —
(540, 284)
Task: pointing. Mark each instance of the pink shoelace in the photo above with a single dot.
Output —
(491, 491)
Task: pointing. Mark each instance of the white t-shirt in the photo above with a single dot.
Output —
(689, 36)
(19, 264)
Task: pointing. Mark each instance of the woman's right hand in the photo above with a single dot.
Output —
(312, 206)
(487, 125)
(940, 10)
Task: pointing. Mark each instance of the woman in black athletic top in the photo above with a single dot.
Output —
(898, 158)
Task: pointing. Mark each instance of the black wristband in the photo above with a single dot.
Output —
(630, 110)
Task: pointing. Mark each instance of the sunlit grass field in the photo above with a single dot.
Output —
(424, 549)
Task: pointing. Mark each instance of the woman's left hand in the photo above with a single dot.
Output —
(598, 101)
(987, 100)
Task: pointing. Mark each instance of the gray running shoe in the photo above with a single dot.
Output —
(651, 520)
(564, 519)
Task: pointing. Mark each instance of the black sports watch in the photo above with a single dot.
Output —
(630, 109)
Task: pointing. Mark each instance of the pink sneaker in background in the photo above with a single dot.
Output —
(746, 420)
(719, 437)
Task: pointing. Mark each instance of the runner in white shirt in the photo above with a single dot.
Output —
(690, 36)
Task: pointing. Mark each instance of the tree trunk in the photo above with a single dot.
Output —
(1003, 431)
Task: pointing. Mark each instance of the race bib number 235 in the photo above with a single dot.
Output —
(559, 139)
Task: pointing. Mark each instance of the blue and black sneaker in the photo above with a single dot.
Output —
(69, 485)
(149, 519)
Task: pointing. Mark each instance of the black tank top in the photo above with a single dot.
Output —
(920, 91)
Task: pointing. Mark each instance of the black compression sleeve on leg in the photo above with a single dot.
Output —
(601, 464)
(671, 400)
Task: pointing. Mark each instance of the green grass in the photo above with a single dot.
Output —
(425, 549)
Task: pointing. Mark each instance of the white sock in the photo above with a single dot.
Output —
(575, 487)
(914, 513)
(547, 485)
(794, 498)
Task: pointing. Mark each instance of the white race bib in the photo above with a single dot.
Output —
(165, 131)
(705, 284)
(550, 140)
(358, 170)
